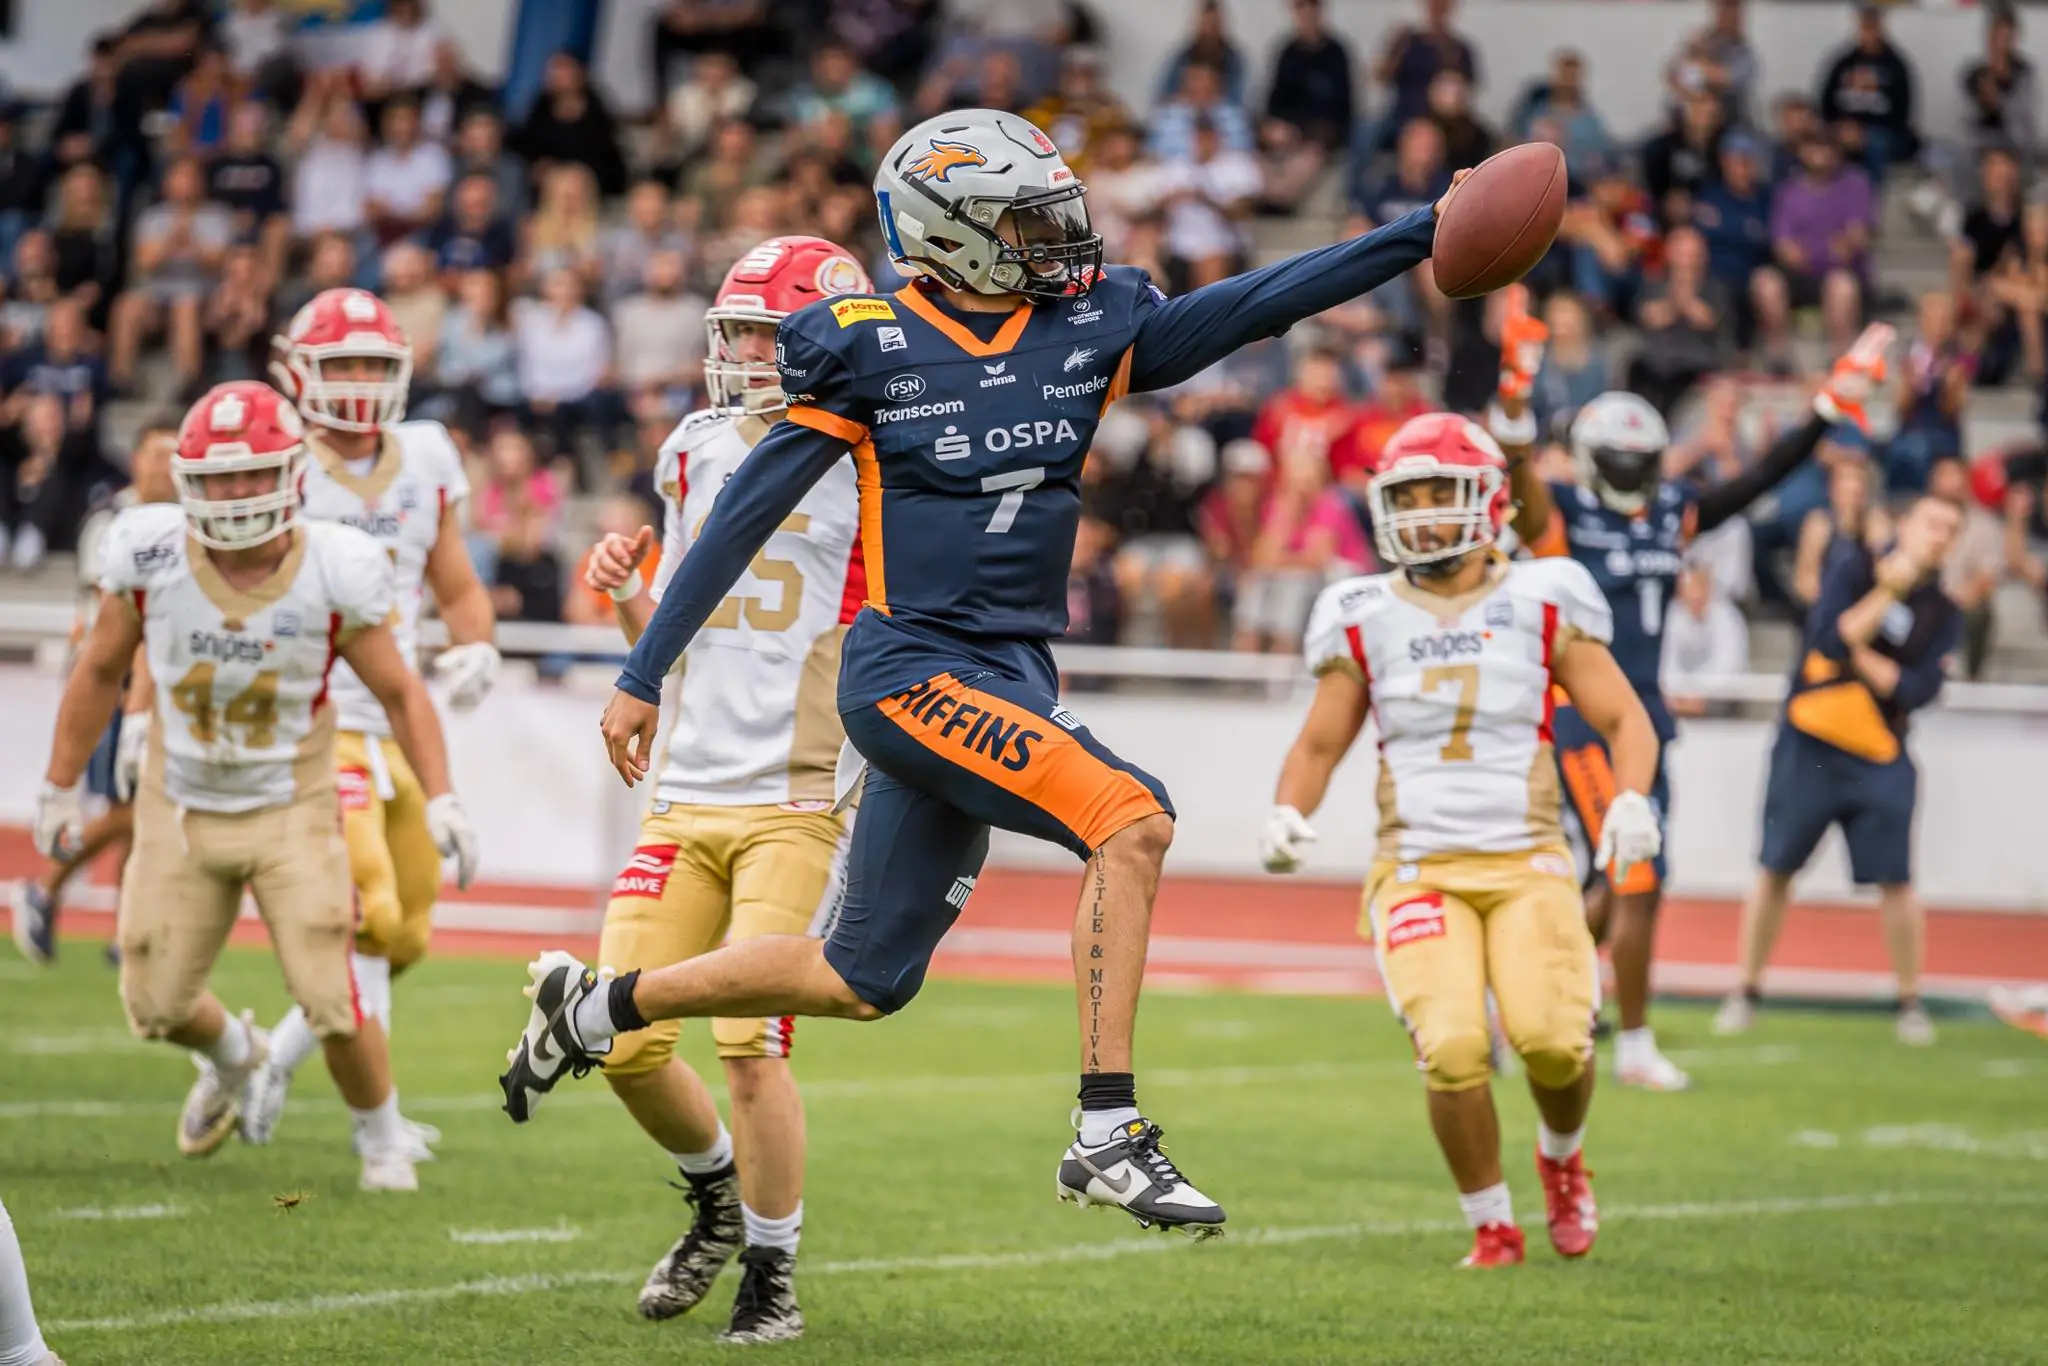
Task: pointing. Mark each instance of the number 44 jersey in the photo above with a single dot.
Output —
(243, 720)
(1461, 696)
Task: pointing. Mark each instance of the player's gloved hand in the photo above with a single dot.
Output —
(1628, 835)
(614, 564)
(1283, 843)
(467, 672)
(1522, 339)
(60, 820)
(129, 747)
(1855, 378)
(454, 836)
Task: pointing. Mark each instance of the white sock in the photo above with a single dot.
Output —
(292, 1042)
(231, 1049)
(592, 1019)
(1555, 1146)
(776, 1233)
(21, 1342)
(1490, 1206)
(373, 987)
(717, 1157)
(379, 1126)
(1635, 1043)
(1100, 1126)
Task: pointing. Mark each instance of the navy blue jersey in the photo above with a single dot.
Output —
(1635, 560)
(968, 433)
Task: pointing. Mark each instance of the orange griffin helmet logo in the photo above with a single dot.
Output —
(942, 160)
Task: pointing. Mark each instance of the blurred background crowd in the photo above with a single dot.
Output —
(199, 180)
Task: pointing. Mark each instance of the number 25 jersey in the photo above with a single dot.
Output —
(1461, 696)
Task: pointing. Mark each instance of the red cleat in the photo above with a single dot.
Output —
(1568, 1199)
(1495, 1245)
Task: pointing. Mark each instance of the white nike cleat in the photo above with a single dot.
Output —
(1915, 1026)
(1650, 1070)
(213, 1107)
(1737, 1015)
(390, 1169)
(549, 1046)
(1133, 1174)
(263, 1102)
(416, 1140)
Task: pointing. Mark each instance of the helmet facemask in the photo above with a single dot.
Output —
(1428, 516)
(1039, 245)
(752, 386)
(248, 520)
(1621, 477)
(356, 401)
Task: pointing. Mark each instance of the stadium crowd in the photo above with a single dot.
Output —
(197, 182)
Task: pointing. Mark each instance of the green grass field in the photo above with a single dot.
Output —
(1822, 1196)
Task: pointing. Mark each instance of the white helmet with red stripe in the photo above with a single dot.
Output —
(1439, 473)
(346, 362)
(765, 286)
(244, 428)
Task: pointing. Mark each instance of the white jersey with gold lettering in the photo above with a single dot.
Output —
(759, 720)
(1461, 696)
(243, 715)
(397, 497)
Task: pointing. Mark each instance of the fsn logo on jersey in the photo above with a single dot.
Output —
(903, 388)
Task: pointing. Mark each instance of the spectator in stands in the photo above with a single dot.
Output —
(571, 122)
(1733, 215)
(237, 319)
(44, 468)
(31, 290)
(563, 232)
(1868, 94)
(473, 234)
(85, 241)
(179, 244)
(1413, 58)
(203, 103)
(2000, 96)
(1208, 194)
(1575, 369)
(259, 52)
(1152, 509)
(1210, 46)
(157, 47)
(1080, 112)
(1970, 575)
(1124, 187)
(1309, 109)
(755, 214)
(396, 53)
(61, 365)
(450, 94)
(1683, 318)
(1704, 637)
(1228, 515)
(1717, 59)
(1556, 110)
(1396, 398)
(692, 28)
(23, 184)
(1467, 140)
(418, 303)
(1709, 452)
(2018, 295)
(1851, 517)
(245, 179)
(1934, 384)
(837, 84)
(1610, 238)
(1199, 98)
(1291, 557)
(732, 166)
(1798, 119)
(892, 37)
(1683, 160)
(476, 375)
(661, 338)
(326, 136)
(526, 581)
(647, 230)
(509, 483)
(480, 150)
(330, 264)
(1822, 221)
(406, 178)
(1990, 231)
(714, 91)
(94, 121)
(1304, 421)
(565, 360)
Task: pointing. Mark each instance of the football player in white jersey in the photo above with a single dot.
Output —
(347, 365)
(1453, 654)
(243, 608)
(743, 838)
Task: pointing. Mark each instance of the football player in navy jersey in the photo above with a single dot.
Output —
(1630, 526)
(966, 401)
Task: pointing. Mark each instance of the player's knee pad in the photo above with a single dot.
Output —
(1557, 1058)
(759, 1037)
(1459, 1061)
(644, 1050)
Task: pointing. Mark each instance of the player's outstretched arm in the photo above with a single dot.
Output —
(1523, 337)
(1182, 337)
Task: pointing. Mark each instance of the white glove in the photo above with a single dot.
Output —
(1628, 836)
(1281, 842)
(454, 836)
(129, 747)
(467, 671)
(60, 820)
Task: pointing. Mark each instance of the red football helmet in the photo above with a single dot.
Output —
(337, 327)
(765, 286)
(1438, 446)
(243, 428)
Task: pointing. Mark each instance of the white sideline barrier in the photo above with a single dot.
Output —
(549, 809)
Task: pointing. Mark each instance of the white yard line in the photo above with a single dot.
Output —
(122, 1212)
(244, 1311)
(493, 1236)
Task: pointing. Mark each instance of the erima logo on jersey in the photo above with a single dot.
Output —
(916, 410)
(974, 729)
(998, 374)
(1446, 645)
(1089, 386)
(229, 649)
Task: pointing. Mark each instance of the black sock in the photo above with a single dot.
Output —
(625, 1015)
(1108, 1091)
(1907, 1003)
(1754, 995)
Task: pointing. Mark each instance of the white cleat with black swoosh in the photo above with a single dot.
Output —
(549, 1047)
(1132, 1173)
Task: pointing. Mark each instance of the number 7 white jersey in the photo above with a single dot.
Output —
(1461, 694)
(243, 716)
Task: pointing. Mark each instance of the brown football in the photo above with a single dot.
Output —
(1501, 220)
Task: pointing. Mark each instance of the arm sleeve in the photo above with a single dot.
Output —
(1179, 338)
(1842, 586)
(1719, 504)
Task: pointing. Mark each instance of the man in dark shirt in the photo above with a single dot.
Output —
(1876, 643)
(60, 365)
(247, 180)
(472, 235)
(1868, 91)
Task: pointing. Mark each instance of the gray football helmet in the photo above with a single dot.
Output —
(981, 200)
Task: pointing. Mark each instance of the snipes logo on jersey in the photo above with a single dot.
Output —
(851, 311)
(645, 875)
(948, 720)
(229, 649)
(1446, 645)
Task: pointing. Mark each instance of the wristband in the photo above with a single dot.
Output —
(1520, 431)
(628, 590)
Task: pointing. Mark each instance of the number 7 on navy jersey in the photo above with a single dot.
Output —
(1017, 483)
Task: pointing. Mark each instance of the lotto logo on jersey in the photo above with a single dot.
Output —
(645, 875)
(1419, 917)
(851, 311)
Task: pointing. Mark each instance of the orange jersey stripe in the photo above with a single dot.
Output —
(831, 424)
(867, 474)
